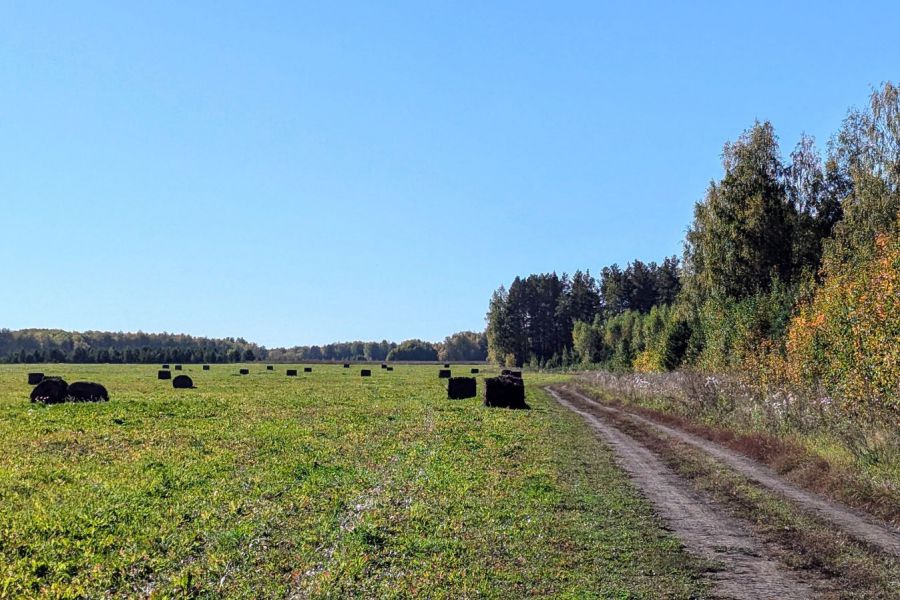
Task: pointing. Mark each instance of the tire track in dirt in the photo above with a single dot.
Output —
(747, 569)
(859, 526)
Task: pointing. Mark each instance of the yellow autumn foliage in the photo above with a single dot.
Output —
(847, 339)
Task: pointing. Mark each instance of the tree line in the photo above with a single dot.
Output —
(771, 275)
(460, 346)
(55, 345)
(58, 346)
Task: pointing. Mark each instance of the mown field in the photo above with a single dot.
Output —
(324, 485)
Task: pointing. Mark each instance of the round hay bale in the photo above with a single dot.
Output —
(164, 374)
(165, 366)
(474, 371)
(270, 367)
(244, 371)
(206, 367)
(50, 391)
(383, 366)
(87, 391)
(461, 387)
(505, 391)
(346, 365)
(35, 378)
(177, 367)
(307, 369)
(292, 372)
(182, 382)
(365, 373)
(389, 369)
(444, 374)
(446, 365)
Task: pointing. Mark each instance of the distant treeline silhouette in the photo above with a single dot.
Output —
(55, 345)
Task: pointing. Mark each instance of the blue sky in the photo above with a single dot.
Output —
(302, 173)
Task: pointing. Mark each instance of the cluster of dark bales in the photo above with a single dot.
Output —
(54, 390)
(505, 391)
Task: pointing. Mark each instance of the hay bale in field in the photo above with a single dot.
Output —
(446, 365)
(164, 374)
(307, 369)
(383, 366)
(270, 367)
(504, 392)
(182, 382)
(473, 371)
(292, 372)
(165, 367)
(461, 387)
(50, 391)
(346, 365)
(444, 374)
(365, 373)
(244, 371)
(177, 367)
(35, 378)
(206, 367)
(390, 369)
(87, 391)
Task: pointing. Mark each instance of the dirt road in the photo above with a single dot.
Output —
(748, 566)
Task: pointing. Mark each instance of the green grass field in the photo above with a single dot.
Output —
(324, 485)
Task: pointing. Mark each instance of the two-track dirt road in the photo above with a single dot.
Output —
(748, 566)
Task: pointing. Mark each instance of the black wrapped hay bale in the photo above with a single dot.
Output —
(35, 378)
(50, 391)
(474, 371)
(292, 372)
(206, 367)
(165, 366)
(383, 366)
(270, 367)
(182, 382)
(307, 369)
(446, 365)
(365, 373)
(87, 391)
(164, 374)
(346, 365)
(461, 387)
(444, 374)
(244, 371)
(177, 367)
(504, 392)
(390, 369)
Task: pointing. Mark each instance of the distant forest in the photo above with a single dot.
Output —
(55, 345)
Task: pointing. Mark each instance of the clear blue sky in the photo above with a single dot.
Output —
(303, 173)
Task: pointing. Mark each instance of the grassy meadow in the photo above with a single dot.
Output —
(323, 485)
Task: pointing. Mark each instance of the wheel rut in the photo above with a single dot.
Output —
(863, 528)
(746, 568)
